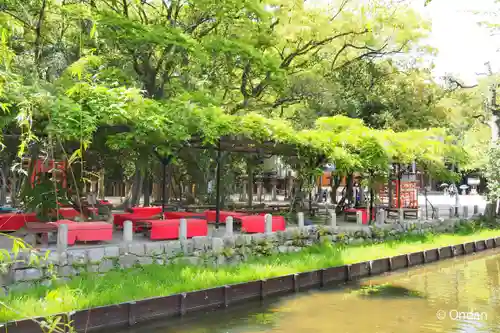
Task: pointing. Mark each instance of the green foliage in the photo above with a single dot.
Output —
(492, 172)
(45, 198)
(317, 78)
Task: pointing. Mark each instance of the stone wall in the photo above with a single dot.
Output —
(31, 267)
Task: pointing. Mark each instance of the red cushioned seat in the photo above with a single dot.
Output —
(256, 223)
(210, 215)
(169, 229)
(87, 231)
(183, 215)
(119, 219)
(151, 211)
(14, 222)
(68, 213)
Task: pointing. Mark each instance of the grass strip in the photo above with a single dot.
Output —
(123, 285)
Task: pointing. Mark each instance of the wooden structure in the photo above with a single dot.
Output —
(408, 196)
(56, 168)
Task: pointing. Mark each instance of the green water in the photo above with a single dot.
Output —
(458, 295)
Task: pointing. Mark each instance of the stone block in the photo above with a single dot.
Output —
(154, 249)
(137, 249)
(47, 283)
(257, 238)
(229, 241)
(124, 248)
(357, 241)
(54, 258)
(106, 265)
(21, 286)
(217, 244)
(282, 249)
(77, 257)
(160, 261)
(18, 275)
(326, 238)
(127, 260)
(194, 261)
(202, 243)
(271, 237)
(95, 255)
(111, 251)
(145, 260)
(7, 277)
(173, 248)
(66, 271)
(93, 268)
(187, 246)
(290, 233)
(242, 240)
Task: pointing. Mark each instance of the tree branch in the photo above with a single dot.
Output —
(25, 23)
(311, 45)
(371, 53)
(341, 8)
(38, 31)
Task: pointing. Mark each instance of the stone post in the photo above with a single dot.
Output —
(268, 218)
(260, 188)
(62, 238)
(401, 215)
(421, 213)
(244, 189)
(300, 219)
(359, 217)
(333, 217)
(128, 231)
(380, 217)
(274, 188)
(436, 213)
(476, 210)
(183, 230)
(466, 212)
(229, 226)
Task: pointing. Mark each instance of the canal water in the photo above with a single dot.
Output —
(456, 295)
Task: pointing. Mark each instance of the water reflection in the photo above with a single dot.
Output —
(459, 295)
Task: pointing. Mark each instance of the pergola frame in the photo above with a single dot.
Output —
(243, 145)
(234, 144)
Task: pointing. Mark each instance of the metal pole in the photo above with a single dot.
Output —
(217, 188)
(164, 190)
(399, 176)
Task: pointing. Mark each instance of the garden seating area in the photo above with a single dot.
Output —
(145, 220)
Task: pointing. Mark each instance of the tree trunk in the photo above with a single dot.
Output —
(334, 185)
(3, 189)
(347, 195)
(14, 189)
(101, 185)
(147, 186)
(134, 195)
(250, 183)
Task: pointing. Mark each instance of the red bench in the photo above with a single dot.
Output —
(364, 214)
(14, 222)
(119, 219)
(169, 229)
(151, 211)
(87, 231)
(184, 215)
(257, 224)
(223, 215)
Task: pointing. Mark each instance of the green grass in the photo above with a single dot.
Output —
(156, 280)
